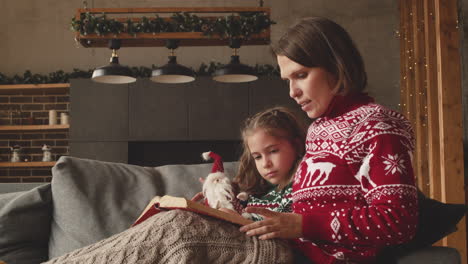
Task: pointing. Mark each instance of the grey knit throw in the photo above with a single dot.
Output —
(181, 237)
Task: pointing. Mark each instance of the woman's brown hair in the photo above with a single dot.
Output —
(278, 122)
(320, 42)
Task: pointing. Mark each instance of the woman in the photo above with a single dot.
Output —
(354, 191)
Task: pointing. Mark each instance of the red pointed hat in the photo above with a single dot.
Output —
(218, 162)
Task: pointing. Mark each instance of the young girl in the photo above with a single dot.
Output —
(273, 142)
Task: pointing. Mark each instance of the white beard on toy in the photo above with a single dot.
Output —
(217, 189)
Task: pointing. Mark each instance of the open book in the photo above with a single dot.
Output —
(158, 204)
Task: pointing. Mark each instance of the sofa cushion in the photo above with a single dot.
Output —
(25, 225)
(93, 200)
(436, 220)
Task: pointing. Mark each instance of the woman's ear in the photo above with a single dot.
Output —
(335, 82)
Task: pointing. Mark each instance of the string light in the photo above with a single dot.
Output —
(415, 66)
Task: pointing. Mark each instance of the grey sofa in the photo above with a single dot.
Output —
(89, 200)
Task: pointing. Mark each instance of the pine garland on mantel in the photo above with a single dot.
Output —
(138, 72)
(241, 26)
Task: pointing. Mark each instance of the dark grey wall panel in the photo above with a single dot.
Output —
(158, 111)
(99, 112)
(106, 117)
(216, 110)
(268, 92)
(105, 151)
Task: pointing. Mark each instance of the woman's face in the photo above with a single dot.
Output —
(311, 88)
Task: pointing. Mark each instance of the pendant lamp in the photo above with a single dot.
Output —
(234, 71)
(113, 73)
(172, 72)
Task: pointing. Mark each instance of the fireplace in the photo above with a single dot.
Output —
(158, 153)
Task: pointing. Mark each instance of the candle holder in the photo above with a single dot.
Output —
(52, 117)
(64, 119)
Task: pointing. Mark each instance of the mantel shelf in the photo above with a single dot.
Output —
(27, 164)
(51, 87)
(34, 127)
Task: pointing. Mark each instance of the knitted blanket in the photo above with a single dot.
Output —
(180, 237)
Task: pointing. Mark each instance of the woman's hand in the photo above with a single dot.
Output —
(274, 225)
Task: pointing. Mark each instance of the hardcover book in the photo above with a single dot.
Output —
(158, 204)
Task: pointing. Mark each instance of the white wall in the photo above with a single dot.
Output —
(35, 35)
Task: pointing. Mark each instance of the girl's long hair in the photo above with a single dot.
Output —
(278, 122)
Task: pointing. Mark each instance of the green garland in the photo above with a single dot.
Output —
(138, 72)
(54, 77)
(241, 26)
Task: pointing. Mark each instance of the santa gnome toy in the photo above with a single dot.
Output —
(217, 188)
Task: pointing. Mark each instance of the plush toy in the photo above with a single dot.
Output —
(217, 187)
(243, 197)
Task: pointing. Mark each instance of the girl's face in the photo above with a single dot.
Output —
(274, 156)
(311, 88)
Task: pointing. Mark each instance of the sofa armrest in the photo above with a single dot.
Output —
(18, 187)
(25, 224)
(425, 255)
(432, 255)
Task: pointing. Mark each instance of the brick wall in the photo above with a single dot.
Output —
(26, 107)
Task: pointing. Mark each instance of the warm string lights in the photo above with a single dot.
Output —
(410, 70)
(430, 98)
(414, 85)
(416, 42)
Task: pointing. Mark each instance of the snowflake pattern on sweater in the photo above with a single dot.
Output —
(355, 186)
(274, 200)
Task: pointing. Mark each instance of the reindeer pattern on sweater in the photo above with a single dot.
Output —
(355, 187)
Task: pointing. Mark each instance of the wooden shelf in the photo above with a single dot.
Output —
(51, 87)
(159, 39)
(26, 164)
(34, 127)
(152, 10)
(16, 89)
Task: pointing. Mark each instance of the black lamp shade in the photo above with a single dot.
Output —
(235, 72)
(172, 72)
(114, 73)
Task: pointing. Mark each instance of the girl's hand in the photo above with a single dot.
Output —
(275, 225)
